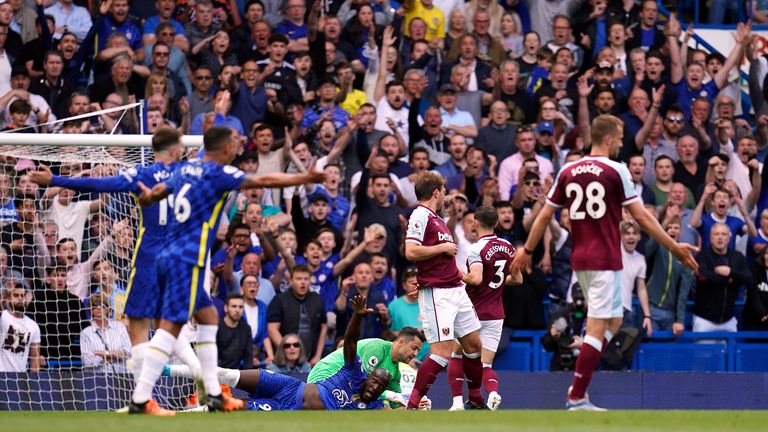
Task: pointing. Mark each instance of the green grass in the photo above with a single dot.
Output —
(443, 421)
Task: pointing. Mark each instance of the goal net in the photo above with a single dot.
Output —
(71, 253)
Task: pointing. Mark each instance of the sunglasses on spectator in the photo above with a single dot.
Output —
(162, 53)
(292, 345)
(522, 129)
(675, 119)
(533, 183)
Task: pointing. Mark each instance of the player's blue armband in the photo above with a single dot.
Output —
(117, 183)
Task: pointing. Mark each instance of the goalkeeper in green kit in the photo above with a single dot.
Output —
(376, 353)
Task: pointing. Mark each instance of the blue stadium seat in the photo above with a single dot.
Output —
(517, 357)
(709, 357)
(751, 357)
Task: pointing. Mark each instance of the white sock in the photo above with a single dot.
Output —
(458, 400)
(208, 353)
(228, 377)
(442, 361)
(184, 350)
(155, 358)
(137, 358)
(608, 336)
(456, 356)
(488, 365)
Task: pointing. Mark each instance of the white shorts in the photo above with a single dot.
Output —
(447, 313)
(602, 291)
(490, 334)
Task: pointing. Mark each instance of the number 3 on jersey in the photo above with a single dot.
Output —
(595, 205)
(499, 266)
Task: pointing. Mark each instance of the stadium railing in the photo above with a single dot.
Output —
(745, 351)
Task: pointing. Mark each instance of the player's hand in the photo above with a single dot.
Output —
(315, 176)
(684, 252)
(42, 176)
(450, 249)
(145, 199)
(425, 404)
(521, 261)
(359, 305)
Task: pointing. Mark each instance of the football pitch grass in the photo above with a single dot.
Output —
(444, 421)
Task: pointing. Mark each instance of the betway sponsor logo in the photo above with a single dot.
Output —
(444, 237)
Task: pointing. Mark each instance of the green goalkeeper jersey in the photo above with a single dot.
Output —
(374, 353)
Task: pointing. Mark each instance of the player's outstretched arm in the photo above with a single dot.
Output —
(416, 252)
(683, 252)
(150, 196)
(282, 179)
(352, 335)
(522, 257)
(44, 177)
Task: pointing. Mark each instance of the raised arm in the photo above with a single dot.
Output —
(583, 118)
(743, 38)
(381, 80)
(281, 180)
(352, 335)
(672, 32)
(118, 183)
(650, 119)
(709, 189)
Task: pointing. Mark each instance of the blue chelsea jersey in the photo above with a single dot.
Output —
(198, 190)
(152, 219)
(341, 391)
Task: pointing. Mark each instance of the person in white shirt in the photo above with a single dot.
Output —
(70, 17)
(70, 216)
(633, 275)
(19, 334)
(104, 344)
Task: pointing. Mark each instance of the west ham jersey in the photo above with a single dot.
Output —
(594, 190)
(428, 229)
(494, 254)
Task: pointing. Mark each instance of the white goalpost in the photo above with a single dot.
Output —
(80, 371)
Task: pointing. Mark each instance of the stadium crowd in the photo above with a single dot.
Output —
(496, 96)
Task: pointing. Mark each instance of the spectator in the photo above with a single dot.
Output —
(664, 171)
(20, 90)
(633, 278)
(24, 19)
(251, 266)
(509, 170)
(291, 356)
(719, 199)
(676, 206)
(51, 86)
(380, 210)
(299, 311)
(690, 169)
(70, 215)
(498, 138)
(70, 17)
(646, 32)
(122, 80)
(637, 170)
(203, 24)
(294, 26)
(668, 283)
(104, 344)
(382, 281)
(722, 271)
(200, 99)
(177, 62)
(255, 314)
(165, 10)
(404, 310)
(117, 22)
(22, 239)
(234, 336)
(374, 324)
(106, 282)
(457, 148)
(20, 334)
(239, 244)
(60, 316)
(755, 316)
(279, 76)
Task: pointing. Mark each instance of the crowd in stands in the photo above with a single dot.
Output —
(494, 95)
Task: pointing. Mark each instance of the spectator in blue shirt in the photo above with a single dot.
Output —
(222, 104)
(117, 22)
(720, 201)
(165, 9)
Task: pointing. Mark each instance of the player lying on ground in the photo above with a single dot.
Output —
(488, 261)
(376, 353)
(350, 388)
(143, 288)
